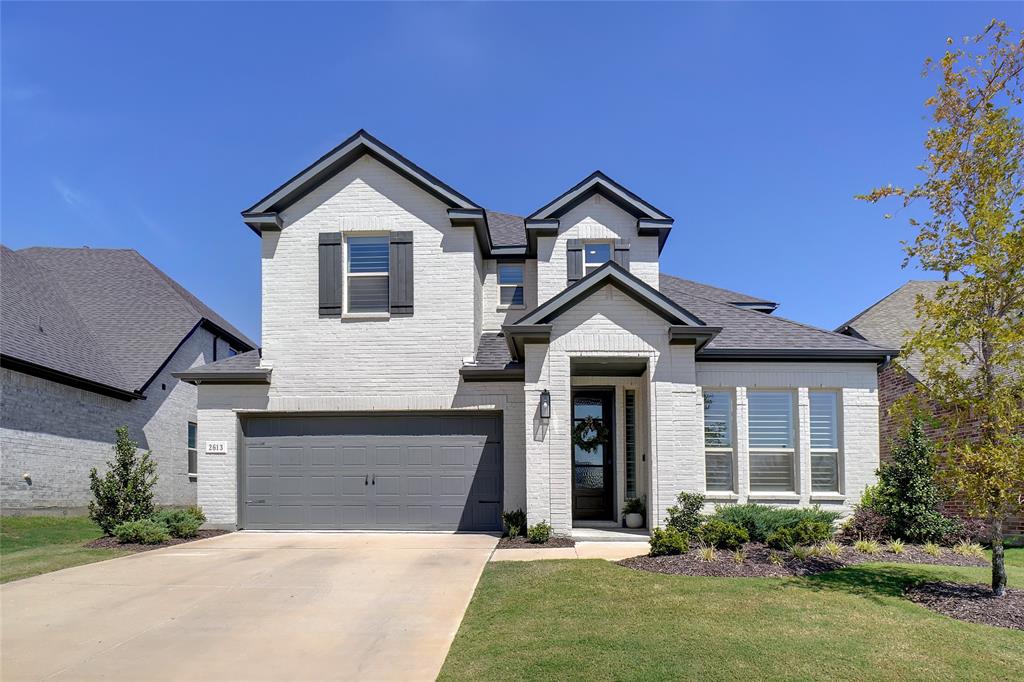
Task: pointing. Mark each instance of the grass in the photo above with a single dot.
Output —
(595, 620)
(30, 545)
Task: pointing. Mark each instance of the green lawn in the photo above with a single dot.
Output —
(30, 545)
(595, 620)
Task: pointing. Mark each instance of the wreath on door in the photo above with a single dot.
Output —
(589, 433)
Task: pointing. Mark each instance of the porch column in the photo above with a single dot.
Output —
(548, 465)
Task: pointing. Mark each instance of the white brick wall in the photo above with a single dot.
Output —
(595, 218)
(57, 433)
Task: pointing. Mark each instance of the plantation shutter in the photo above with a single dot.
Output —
(400, 273)
(331, 274)
(621, 254)
(770, 428)
(824, 441)
(574, 260)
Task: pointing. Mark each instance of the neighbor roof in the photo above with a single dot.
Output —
(893, 319)
(103, 317)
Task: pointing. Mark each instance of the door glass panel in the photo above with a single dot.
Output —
(587, 407)
(590, 477)
(595, 457)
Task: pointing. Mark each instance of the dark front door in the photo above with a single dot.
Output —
(592, 470)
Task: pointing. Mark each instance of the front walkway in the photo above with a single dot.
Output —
(253, 606)
(612, 551)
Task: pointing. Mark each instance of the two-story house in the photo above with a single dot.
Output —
(427, 363)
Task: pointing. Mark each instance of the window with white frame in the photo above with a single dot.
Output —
(510, 285)
(595, 254)
(771, 438)
(824, 441)
(193, 453)
(366, 274)
(718, 441)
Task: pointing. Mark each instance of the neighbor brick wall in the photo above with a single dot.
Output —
(57, 433)
(893, 384)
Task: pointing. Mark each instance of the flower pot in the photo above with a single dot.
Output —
(634, 521)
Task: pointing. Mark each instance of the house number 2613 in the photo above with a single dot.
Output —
(216, 447)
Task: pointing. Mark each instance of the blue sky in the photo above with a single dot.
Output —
(151, 126)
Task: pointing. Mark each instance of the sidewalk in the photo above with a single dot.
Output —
(612, 551)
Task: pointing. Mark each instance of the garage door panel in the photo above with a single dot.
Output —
(373, 472)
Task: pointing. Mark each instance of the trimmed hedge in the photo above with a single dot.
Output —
(760, 520)
(669, 540)
(143, 532)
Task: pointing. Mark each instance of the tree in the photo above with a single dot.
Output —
(907, 494)
(971, 339)
(125, 493)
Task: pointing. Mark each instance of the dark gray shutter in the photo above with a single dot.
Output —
(621, 255)
(574, 260)
(331, 274)
(400, 273)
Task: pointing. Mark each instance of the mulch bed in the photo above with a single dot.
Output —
(757, 565)
(522, 543)
(972, 603)
(112, 543)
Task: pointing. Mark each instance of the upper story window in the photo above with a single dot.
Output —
(366, 274)
(510, 285)
(595, 254)
(718, 441)
(772, 450)
(824, 441)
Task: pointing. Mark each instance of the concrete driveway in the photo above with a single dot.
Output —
(252, 606)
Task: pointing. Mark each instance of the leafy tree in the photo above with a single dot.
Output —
(125, 493)
(907, 494)
(971, 340)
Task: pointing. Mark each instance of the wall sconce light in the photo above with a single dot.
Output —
(545, 404)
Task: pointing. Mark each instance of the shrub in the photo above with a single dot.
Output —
(197, 513)
(806, 532)
(539, 533)
(685, 516)
(833, 549)
(760, 520)
(801, 553)
(143, 531)
(932, 549)
(668, 540)
(969, 549)
(865, 524)
(706, 553)
(869, 496)
(125, 493)
(867, 546)
(775, 559)
(963, 530)
(897, 546)
(738, 557)
(907, 494)
(515, 522)
(723, 535)
(632, 505)
(180, 523)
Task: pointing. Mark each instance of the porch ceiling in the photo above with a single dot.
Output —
(607, 367)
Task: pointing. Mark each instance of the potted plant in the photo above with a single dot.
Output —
(633, 512)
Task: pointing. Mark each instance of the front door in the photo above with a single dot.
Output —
(592, 483)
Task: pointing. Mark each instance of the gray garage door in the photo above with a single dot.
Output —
(376, 472)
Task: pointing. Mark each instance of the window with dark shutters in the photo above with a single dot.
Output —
(621, 255)
(574, 260)
(401, 274)
(331, 274)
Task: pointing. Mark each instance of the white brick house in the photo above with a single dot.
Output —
(90, 340)
(425, 362)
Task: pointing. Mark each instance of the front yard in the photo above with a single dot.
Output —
(597, 620)
(31, 545)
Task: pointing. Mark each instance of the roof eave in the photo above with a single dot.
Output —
(258, 222)
(798, 354)
(57, 376)
(470, 373)
(518, 335)
(261, 376)
(692, 335)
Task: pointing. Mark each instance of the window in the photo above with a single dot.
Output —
(367, 275)
(510, 285)
(595, 254)
(630, 443)
(824, 441)
(718, 441)
(193, 459)
(770, 422)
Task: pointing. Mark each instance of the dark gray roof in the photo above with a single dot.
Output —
(892, 320)
(244, 367)
(104, 315)
(747, 332)
(506, 229)
(708, 291)
(492, 351)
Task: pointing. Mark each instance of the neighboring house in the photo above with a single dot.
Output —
(425, 361)
(890, 323)
(89, 341)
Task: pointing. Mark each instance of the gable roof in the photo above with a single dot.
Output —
(105, 317)
(264, 213)
(688, 286)
(750, 335)
(893, 319)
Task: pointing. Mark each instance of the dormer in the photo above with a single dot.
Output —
(595, 222)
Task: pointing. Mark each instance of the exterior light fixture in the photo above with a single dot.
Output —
(545, 404)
